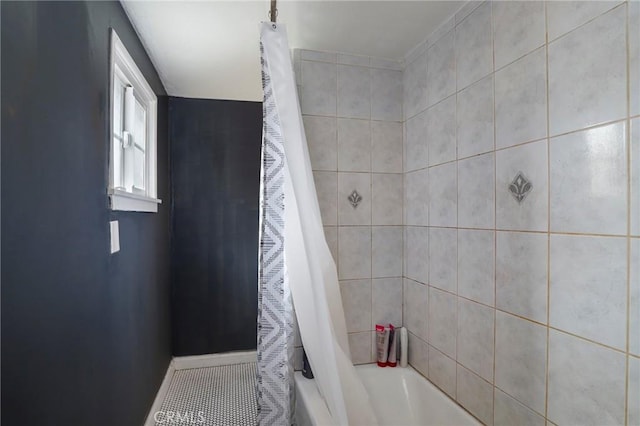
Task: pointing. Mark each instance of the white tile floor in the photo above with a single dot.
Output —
(213, 396)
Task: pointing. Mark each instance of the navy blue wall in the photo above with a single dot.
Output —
(215, 164)
(85, 334)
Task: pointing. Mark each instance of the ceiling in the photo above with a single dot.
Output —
(209, 49)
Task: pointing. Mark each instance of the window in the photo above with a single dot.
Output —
(132, 171)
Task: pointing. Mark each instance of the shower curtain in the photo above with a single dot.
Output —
(295, 263)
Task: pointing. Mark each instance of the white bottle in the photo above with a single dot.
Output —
(404, 346)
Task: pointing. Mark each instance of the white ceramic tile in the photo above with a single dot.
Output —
(316, 55)
(415, 305)
(327, 190)
(347, 214)
(476, 275)
(416, 240)
(634, 57)
(475, 338)
(417, 198)
(416, 152)
(415, 52)
(354, 92)
(509, 412)
(635, 176)
(466, 11)
(446, 27)
(356, 301)
(634, 297)
(443, 195)
(374, 348)
(475, 394)
(474, 47)
(415, 86)
(521, 360)
(521, 100)
(521, 274)
(322, 141)
(564, 16)
(362, 61)
(441, 131)
(418, 355)
(586, 382)
(476, 191)
(588, 74)
(387, 199)
(441, 69)
(386, 95)
(388, 64)
(442, 371)
(360, 345)
(331, 235)
(443, 256)
(588, 285)
(354, 145)
(354, 252)
(589, 181)
(319, 88)
(386, 147)
(475, 118)
(387, 246)
(518, 28)
(387, 302)
(633, 408)
(532, 213)
(442, 316)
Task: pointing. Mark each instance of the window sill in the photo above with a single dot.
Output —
(126, 201)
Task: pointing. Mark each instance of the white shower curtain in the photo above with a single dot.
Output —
(290, 216)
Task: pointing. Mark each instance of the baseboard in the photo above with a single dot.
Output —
(213, 360)
(162, 393)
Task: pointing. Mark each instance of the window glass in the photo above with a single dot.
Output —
(140, 143)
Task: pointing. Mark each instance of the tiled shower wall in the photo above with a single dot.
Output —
(522, 217)
(352, 112)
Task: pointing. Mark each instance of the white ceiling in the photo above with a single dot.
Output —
(210, 49)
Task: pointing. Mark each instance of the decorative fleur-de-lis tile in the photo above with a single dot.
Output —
(354, 198)
(520, 187)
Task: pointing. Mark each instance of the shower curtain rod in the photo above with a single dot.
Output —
(274, 11)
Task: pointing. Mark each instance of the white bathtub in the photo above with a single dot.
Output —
(400, 396)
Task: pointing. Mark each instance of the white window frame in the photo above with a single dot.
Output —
(122, 63)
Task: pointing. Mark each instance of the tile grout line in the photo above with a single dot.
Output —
(547, 326)
(457, 304)
(495, 217)
(629, 175)
(370, 218)
(457, 89)
(428, 295)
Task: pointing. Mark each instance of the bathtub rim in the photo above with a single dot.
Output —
(312, 398)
